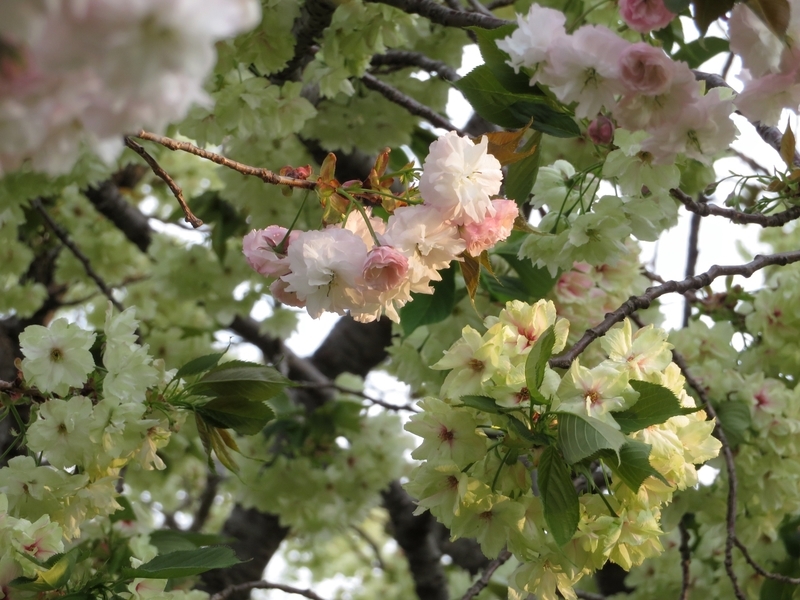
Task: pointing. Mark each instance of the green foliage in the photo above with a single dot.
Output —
(559, 498)
(185, 563)
(425, 309)
(580, 437)
(536, 363)
(632, 465)
(656, 404)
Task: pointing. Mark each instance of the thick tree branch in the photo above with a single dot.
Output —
(686, 560)
(109, 202)
(445, 16)
(408, 58)
(160, 172)
(736, 216)
(413, 534)
(315, 16)
(415, 108)
(635, 303)
(62, 235)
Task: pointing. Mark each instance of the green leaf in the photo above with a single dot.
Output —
(244, 416)
(708, 11)
(538, 439)
(513, 109)
(199, 364)
(735, 419)
(521, 175)
(580, 437)
(482, 403)
(677, 6)
(656, 405)
(425, 309)
(185, 563)
(247, 380)
(49, 579)
(559, 498)
(700, 50)
(495, 59)
(170, 540)
(633, 466)
(540, 353)
(125, 513)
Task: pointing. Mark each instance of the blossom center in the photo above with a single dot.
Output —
(56, 355)
(476, 365)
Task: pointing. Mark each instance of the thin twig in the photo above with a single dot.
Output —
(635, 303)
(371, 543)
(442, 15)
(263, 585)
(409, 58)
(343, 390)
(750, 162)
(759, 569)
(415, 108)
(174, 187)
(480, 8)
(730, 518)
(499, 4)
(62, 235)
(704, 209)
(686, 559)
(264, 174)
(692, 253)
(477, 587)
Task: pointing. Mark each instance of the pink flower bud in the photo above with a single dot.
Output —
(645, 16)
(482, 236)
(385, 268)
(260, 247)
(601, 130)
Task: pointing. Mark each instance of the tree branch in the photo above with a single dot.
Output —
(415, 108)
(686, 560)
(445, 16)
(635, 303)
(239, 588)
(315, 16)
(736, 216)
(160, 172)
(62, 235)
(408, 58)
(691, 262)
(264, 174)
(477, 587)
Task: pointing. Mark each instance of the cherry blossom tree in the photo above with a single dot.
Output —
(182, 182)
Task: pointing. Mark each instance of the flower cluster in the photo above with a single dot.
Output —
(75, 73)
(638, 83)
(771, 72)
(501, 438)
(368, 266)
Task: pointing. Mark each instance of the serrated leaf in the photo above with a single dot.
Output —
(199, 364)
(656, 405)
(735, 419)
(425, 309)
(185, 563)
(482, 403)
(471, 271)
(247, 380)
(171, 540)
(700, 50)
(538, 439)
(580, 437)
(244, 416)
(559, 497)
(49, 579)
(521, 176)
(540, 353)
(633, 466)
(788, 144)
(708, 11)
(503, 145)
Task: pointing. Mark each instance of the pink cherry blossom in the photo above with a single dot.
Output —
(260, 247)
(281, 294)
(584, 68)
(645, 16)
(759, 48)
(764, 99)
(482, 236)
(385, 268)
(459, 178)
(645, 69)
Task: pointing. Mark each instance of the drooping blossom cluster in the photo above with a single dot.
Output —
(771, 65)
(637, 83)
(370, 269)
(84, 73)
(487, 432)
